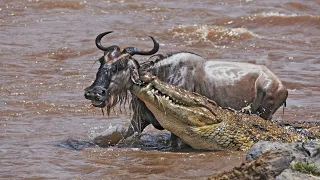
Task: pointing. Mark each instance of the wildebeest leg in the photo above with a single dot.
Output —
(263, 104)
(142, 117)
(174, 141)
(271, 102)
(270, 95)
(256, 104)
(137, 125)
(117, 133)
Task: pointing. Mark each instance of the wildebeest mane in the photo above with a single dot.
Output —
(154, 59)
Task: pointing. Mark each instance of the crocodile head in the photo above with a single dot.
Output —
(174, 105)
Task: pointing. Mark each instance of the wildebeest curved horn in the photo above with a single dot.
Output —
(98, 41)
(134, 50)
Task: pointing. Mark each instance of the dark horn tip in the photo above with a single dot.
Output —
(156, 45)
(98, 40)
(151, 52)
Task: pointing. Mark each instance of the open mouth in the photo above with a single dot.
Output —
(159, 94)
(178, 97)
(98, 103)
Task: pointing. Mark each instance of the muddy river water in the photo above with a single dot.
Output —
(47, 56)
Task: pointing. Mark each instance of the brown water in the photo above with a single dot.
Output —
(47, 55)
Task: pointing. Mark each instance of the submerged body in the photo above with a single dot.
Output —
(200, 123)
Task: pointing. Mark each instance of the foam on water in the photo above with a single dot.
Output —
(216, 35)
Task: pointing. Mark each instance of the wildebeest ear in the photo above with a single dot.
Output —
(109, 57)
(111, 54)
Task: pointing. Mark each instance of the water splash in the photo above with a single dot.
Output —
(215, 35)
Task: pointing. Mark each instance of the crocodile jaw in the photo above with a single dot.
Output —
(173, 103)
(179, 111)
(177, 118)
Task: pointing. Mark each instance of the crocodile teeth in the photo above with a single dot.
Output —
(167, 97)
(152, 91)
(156, 91)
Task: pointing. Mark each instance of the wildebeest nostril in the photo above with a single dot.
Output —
(87, 94)
(95, 92)
(103, 92)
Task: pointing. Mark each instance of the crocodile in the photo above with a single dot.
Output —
(200, 123)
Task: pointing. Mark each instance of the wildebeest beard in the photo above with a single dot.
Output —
(122, 98)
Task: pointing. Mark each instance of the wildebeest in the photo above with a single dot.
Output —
(239, 86)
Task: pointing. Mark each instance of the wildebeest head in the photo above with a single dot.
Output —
(113, 77)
